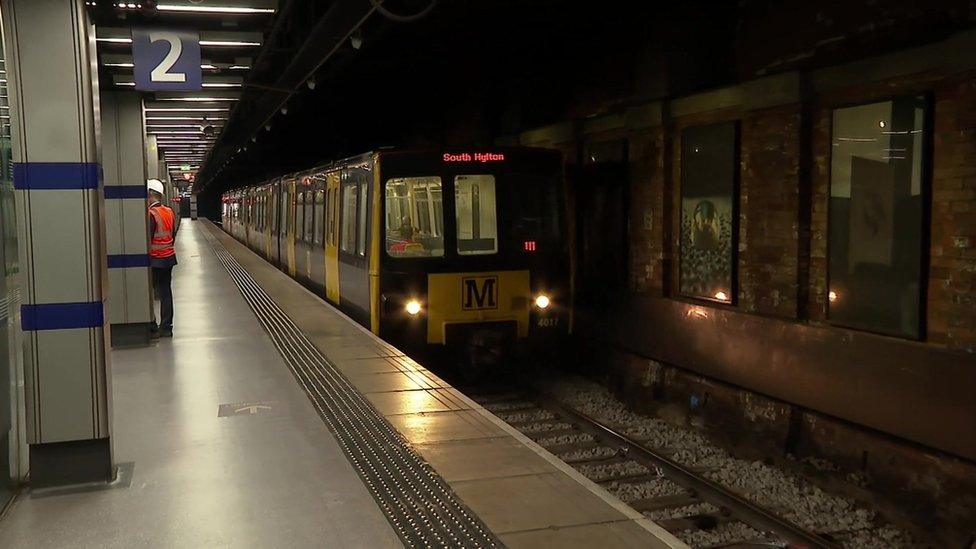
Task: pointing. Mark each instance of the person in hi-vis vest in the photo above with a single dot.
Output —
(163, 224)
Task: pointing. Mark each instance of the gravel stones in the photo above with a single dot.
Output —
(648, 489)
(794, 497)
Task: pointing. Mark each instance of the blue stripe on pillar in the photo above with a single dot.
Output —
(56, 175)
(125, 191)
(61, 316)
(124, 261)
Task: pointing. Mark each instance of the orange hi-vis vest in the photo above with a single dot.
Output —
(161, 244)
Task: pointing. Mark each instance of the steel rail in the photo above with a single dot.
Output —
(708, 490)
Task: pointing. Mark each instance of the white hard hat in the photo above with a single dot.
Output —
(156, 185)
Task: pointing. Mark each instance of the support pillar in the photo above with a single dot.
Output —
(61, 233)
(126, 223)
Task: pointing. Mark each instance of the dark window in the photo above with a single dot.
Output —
(300, 216)
(319, 216)
(333, 217)
(348, 237)
(309, 216)
(709, 204)
(876, 216)
(286, 210)
(474, 206)
(363, 205)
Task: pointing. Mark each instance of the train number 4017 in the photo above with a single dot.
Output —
(548, 322)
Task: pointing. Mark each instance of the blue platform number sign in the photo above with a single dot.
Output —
(166, 59)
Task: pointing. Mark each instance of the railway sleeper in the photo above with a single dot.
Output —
(665, 502)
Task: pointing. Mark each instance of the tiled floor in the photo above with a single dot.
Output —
(523, 494)
(275, 478)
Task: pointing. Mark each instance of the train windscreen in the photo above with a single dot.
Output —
(414, 217)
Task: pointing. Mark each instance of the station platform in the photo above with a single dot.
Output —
(272, 419)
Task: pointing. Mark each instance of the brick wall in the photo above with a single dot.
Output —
(950, 305)
(952, 272)
(782, 263)
(647, 211)
(768, 211)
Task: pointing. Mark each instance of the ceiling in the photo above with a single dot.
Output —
(186, 124)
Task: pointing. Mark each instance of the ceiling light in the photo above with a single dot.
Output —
(186, 118)
(186, 109)
(221, 84)
(123, 65)
(239, 67)
(197, 99)
(197, 126)
(212, 9)
(229, 43)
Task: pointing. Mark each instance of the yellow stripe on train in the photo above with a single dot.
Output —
(464, 298)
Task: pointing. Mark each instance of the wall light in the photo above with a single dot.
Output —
(212, 9)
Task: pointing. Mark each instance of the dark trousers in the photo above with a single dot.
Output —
(162, 278)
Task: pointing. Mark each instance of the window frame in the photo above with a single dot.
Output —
(457, 225)
(343, 219)
(318, 212)
(300, 216)
(362, 216)
(447, 223)
(926, 183)
(309, 220)
(733, 301)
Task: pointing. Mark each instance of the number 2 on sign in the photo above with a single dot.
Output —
(161, 72)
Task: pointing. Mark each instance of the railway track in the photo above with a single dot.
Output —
(681, 499)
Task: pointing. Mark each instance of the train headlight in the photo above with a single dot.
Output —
(542, 301)
(413, 307)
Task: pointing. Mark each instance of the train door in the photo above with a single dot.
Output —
(289, 240)
(301, 214)
(601, 198)
(308, 227)
(279, 224)
(317, 240)
(332, 236)
(374, 240)
(267, 212)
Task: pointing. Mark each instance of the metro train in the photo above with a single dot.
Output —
(449, 249)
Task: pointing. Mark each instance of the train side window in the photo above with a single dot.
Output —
(283, 224)
(319, 216)
(309, 216)
(414, 217)
(477, 224)
(331, 220)
(272, 209)
(300, 217)
(348, 236)
(363, 209)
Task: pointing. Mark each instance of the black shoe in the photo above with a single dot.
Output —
(154, 334)
(166, 332)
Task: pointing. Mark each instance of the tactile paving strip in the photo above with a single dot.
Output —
(422, 508)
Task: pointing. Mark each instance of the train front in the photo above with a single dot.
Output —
(476, 254)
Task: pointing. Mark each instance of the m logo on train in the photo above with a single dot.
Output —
(479, 293)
